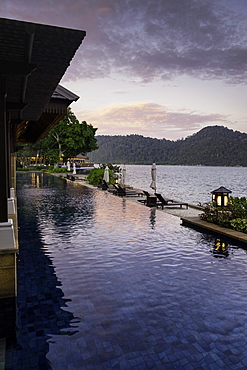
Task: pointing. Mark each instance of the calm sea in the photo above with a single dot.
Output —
(188, 183)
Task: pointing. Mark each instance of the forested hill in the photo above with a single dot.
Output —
(211, 146)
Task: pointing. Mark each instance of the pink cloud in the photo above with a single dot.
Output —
(148, 118)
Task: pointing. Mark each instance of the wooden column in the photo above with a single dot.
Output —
(8, 136)
(3, 153)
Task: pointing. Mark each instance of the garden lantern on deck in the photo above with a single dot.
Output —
(221, 196)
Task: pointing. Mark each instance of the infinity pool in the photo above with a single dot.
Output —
(104, 283)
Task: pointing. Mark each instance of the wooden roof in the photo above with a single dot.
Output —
(33, 58)
(32, 131)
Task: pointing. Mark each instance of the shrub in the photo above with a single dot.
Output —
(56, 170)
(238, 207)
(239, 224)
(113, 168)
(95, 176)
(234, 216)
(23, 169)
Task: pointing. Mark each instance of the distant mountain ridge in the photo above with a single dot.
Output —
(211, 146)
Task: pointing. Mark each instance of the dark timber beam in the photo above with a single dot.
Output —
(27, 58)
(15, 106)
(3, 153)
(10, 68)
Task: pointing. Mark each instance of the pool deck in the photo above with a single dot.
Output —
(197, 223)
(190, 217)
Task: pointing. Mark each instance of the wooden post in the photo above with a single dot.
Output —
(8, 137)
(3, 153)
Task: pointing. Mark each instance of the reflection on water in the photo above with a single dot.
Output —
(152, 217)
(107, 283)
(41, 302)
(220, 248)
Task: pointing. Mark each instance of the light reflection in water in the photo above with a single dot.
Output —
(152, 217)
(135, 279)
(220, 249)
(36, 178)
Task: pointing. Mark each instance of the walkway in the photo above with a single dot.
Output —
(190, 217)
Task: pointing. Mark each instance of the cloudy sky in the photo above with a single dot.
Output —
(158, 68)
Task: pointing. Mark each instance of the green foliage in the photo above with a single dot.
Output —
(238, 207)
(68, 139)
(239, 224)
(234, 216)
(23, 169)
(49, 169)
(114, 169)
(95, 176)
(32, 168)
(26, 152)
(56, 170)
(211, 146)
(133, 149)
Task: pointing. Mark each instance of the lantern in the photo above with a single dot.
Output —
(221, 196)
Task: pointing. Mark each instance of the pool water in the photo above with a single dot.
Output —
(104, 283)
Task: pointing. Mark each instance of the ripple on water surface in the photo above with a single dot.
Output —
(138, 289)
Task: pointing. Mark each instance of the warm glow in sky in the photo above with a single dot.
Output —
(158, 68)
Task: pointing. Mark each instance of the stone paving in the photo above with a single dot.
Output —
(191, 211)
(190, 214)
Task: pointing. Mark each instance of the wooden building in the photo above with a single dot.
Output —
(33, 59)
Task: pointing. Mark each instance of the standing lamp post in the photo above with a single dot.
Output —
(221, 196)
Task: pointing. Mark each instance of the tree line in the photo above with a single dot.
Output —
(66, 140)
(211, 146)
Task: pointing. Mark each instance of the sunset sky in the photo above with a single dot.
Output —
(158, 68)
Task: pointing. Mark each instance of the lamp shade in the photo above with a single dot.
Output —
(221, 196)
